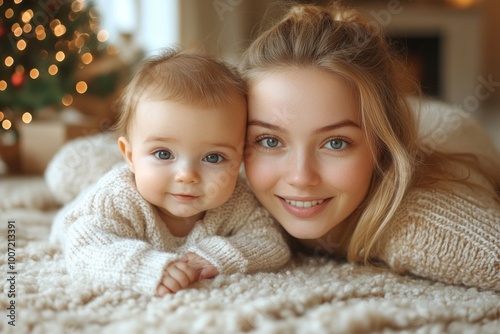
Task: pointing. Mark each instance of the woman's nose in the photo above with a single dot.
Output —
(187, 173)
(301, 170)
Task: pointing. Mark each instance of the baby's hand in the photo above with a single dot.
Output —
(201, 266)
(177, 275)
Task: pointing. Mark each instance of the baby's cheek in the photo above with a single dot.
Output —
(148, 185)
(219, 187)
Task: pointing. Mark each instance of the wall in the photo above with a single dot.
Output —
(491, 46)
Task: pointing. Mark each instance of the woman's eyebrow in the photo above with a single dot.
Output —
(320, 130)
(334, 126)
(266, 125)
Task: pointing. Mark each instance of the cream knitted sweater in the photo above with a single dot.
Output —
(114, 237)
(445, 237)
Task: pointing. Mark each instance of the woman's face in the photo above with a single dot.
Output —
(308, 160)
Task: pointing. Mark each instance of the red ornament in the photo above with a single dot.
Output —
(17, 79)
(3, 30)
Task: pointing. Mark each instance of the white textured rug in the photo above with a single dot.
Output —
(309, 296)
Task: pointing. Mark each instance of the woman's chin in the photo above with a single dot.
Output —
(304, 234)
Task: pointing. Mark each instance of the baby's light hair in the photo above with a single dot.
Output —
(184, 76)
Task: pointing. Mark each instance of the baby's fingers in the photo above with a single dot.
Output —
(162, 290)
(208, 271)
(186, 271)
(178, 275)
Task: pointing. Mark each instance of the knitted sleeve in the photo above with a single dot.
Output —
(248, 239)
(80, 163)
(110, 240)
(445, 237)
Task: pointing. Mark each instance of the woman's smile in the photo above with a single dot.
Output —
(304, 208)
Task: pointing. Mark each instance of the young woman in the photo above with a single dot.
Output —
(333, 153)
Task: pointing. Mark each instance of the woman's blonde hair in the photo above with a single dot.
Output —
(343, 42)
(187, 76)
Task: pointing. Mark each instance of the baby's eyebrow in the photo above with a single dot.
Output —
(157, 138)
(167, 139)
(226, 145)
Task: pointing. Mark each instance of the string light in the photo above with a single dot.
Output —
(79, 42)
(81, 87)
(53, 69)
(17, 2)
(60, 56)
(3, 86)
(2, 116)
(9, 61)
(59, 30)
(17, 30)
(21, 44)
(9, 13)
(27, 28)
(54, 23)
(34, 73)
(102, 36)
(6, 124)
(76, 6)
(67, 100)
(40, 32)
(27, 15)
(27, 118)
(87, 58)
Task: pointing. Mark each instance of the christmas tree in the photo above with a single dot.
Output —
(44, 43)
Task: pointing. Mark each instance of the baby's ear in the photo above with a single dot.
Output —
(126, 150)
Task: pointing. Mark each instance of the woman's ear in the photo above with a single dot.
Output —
(126, 150)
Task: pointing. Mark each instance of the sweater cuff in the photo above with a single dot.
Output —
(222, 254)
(150, 271)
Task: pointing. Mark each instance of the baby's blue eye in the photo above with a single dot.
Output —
(213, 158)
(336, 144)
(270, 142)
(163, 155)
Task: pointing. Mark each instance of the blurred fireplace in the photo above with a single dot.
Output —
(422, 55)
(444, 44)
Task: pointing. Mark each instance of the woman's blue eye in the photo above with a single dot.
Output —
(270, 142)
(213, 158)
(163, 155)
(336, 144)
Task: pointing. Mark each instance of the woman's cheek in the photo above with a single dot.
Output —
(259, 171)
(354, 176)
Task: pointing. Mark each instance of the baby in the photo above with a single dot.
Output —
(177, 212)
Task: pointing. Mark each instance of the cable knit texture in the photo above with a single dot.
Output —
(111, 235)
(445, 237)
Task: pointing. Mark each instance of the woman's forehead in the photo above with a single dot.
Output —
(302, 93)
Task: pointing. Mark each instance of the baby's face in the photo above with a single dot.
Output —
(186, 158)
